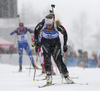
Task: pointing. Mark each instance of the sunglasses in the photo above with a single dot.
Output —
(21, 25)
(49, 25)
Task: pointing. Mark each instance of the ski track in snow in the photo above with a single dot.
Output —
(11, 80)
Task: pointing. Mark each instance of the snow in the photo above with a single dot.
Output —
(12, 80)
(66, 11)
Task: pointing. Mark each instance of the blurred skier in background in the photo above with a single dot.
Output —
(41, 56)
(50, 43)
(21, 32)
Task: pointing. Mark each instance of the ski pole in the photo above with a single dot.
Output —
(32, 36)
(64, 56)
(35, 67)
(12, 50)
(15, 37)
(30, 66)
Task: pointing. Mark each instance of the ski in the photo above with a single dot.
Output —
(46, 85)
(76, 83)
(82, 83)
(40, 79)
(41, 74)
(45, 78)
(29, 68)
(33, 68)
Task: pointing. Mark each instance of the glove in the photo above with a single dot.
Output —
(65, 47)
(37, 45)
(33, 45)
(11, 33)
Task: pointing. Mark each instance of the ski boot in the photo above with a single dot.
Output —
(49, 80)
(68, 79)
(20, 68)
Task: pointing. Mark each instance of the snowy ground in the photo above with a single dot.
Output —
(11, 80)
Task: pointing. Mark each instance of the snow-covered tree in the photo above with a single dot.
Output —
(79, 31)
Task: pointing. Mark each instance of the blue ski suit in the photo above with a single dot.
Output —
(22, 43)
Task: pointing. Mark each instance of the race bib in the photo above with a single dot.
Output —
(22, 37)
(50, 36)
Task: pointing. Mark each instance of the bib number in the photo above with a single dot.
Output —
(22, 37)
(50, 36)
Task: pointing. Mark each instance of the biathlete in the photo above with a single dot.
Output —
(21, 32)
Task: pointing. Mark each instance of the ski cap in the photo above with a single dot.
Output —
(48, 21)
(21, 24)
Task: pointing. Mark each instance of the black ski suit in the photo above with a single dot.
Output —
(52, 46)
